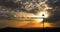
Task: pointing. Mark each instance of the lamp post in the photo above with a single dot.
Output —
(43, 21)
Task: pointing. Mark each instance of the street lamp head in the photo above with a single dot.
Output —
(42, 14)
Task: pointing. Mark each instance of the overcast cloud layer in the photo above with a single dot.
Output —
(9, 9)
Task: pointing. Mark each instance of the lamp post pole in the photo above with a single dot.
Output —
(43, 22)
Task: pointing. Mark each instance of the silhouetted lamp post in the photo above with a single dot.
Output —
(43, 20)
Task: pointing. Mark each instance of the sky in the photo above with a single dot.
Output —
(11, 10)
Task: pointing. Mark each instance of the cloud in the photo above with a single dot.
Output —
(11, 9)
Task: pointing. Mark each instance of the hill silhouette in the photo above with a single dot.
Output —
(11, 29)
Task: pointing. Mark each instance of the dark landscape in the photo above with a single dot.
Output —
(10, 29)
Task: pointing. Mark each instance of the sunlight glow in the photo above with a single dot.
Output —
(39, 20)
(45, 14)
(41, 15)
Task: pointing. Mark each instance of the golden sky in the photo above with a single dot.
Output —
(26, 24)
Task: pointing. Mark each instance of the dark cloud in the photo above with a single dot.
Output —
(29, 6)
(55, 9)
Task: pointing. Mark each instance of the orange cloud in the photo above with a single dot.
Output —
(29, 25)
